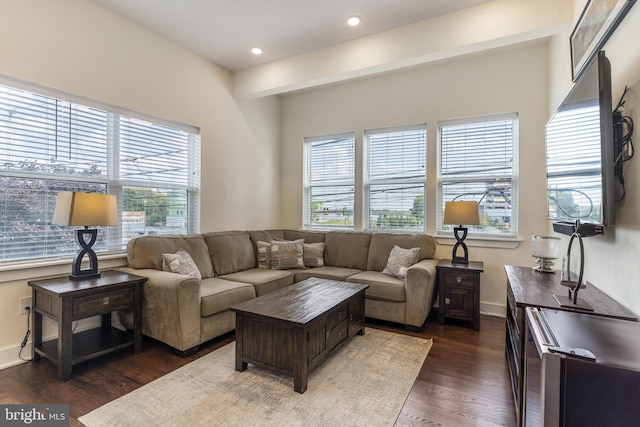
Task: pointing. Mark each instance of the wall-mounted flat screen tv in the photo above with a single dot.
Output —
(580, 151)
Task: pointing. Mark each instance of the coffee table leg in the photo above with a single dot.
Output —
(301, 361)
(240, 365)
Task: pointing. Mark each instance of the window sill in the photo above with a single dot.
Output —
(481, 242)
(28, 270)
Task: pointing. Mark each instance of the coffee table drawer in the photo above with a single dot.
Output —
(338, 315)
(338, 334)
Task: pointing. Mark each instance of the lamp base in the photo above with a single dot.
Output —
(567, 302)
(85, 238)
(81, 276)
(460, 234)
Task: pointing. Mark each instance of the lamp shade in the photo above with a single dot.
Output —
(462, 213)
(85, 209)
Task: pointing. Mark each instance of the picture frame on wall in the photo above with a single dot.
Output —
(597, 22)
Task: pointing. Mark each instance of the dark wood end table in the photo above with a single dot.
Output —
(459, 291)
(65, 300)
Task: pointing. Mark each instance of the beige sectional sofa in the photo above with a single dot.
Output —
(184, 311)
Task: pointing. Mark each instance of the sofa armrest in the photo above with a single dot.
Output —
(170, 307)
(420, 284)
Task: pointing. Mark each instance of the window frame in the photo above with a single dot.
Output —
(475, 231)
(110, 178)
(368, 182)
(342, 182)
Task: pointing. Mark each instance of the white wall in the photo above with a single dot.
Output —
(513, 79)
(78, 47)
(612, 260)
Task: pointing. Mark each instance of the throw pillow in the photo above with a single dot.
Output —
(287, 254)
(313, 254)
(400, 260)
(180, 262)
(264, 254)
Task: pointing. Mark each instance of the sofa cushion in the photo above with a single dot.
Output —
(218, 295)
(180, 262)
(265, 236)
(306, 235)
(348, 249)
(313, 254)
(326, 272)
(382, 244)
(264, 281)
(381, 286)
(400, 260)
(230, 251)
(147, 251)
(286, 255)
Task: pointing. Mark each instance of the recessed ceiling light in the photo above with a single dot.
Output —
(353, 21)
(256, 50)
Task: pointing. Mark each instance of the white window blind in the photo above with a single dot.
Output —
(574, 176)
(49, 145)
(395, 178)
(329, 181)
(477, 162)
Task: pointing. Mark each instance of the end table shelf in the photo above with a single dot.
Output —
(64, 301)
(89, 344)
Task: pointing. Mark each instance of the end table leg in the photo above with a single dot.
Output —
(137, 319)
(37, 328)
(65, 341)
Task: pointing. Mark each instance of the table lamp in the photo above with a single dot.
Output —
(85, 209)
(461, 213)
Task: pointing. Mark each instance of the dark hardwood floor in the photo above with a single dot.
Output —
(464, 381)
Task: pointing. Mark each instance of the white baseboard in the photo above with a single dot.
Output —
(492, 309)
(488, 309)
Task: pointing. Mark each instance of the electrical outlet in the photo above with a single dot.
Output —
(24, 303)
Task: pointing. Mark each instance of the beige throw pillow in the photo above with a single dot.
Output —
(313, 254)
(287, 254)
(180, 262)
(264, 254)
(400, 260)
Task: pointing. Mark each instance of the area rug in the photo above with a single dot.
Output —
(364, 384)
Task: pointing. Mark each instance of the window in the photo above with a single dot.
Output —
(49, 145)
(476, 162)
(329, 181)
(574, 177)
(395, 179)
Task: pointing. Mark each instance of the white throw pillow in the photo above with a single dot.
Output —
(180, 262)
(400, 260)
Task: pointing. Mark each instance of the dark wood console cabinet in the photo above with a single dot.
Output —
(529, 288)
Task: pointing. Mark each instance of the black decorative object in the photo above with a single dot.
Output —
(569, 279)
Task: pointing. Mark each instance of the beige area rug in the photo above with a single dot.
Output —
(364, 384)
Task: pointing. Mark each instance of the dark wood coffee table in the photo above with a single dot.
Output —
(293, 330)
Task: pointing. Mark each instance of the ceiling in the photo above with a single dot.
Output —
(224, 31)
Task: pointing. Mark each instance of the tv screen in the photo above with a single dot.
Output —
(580, 151)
